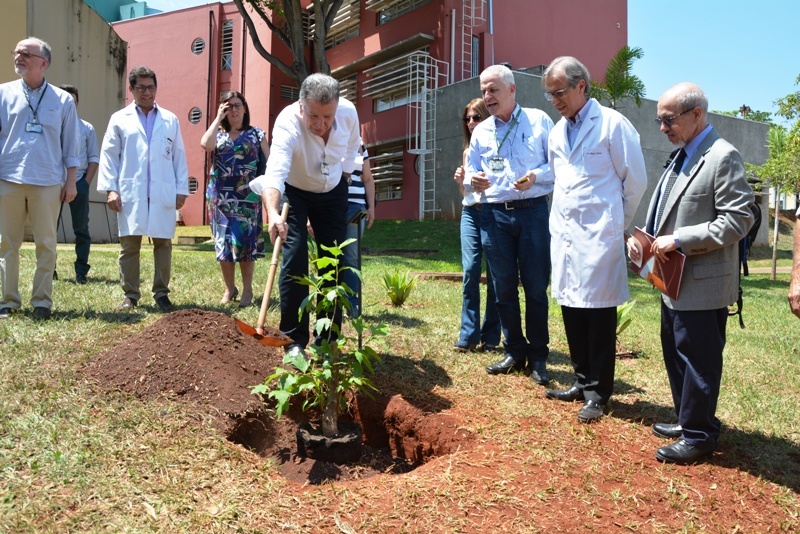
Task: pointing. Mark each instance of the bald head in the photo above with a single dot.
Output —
(682, 110)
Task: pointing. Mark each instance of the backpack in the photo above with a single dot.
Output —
(744, 249)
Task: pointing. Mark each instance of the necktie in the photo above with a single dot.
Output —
(673, 176)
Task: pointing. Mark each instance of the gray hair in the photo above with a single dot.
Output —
(319, 88)
(573, 70)
(47, 52)
(502, 72)
(693, 97)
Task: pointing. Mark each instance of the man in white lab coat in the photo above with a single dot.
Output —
(144, 173)
(600, 178)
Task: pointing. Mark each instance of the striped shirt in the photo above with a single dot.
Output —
(357, 193)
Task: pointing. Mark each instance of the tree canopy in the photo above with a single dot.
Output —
(619, 82)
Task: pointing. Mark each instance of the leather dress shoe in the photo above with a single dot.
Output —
(539, 373)
(682, 453)
(505, 366)
(567, 395)
(5, 313)
(40, 313)
(127, 303)
(667, 431)
(463, 346)
(592, 411)
(165, 304)
(81, 279)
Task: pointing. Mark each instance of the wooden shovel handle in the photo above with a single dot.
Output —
(273, 266)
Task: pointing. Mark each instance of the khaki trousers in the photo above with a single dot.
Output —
(42, 204)
(129, 266)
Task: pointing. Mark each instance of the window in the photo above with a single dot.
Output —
(391, 9)
(195, 115)
(226, 48)
(290, 93)
(198, 45)
(386, 164)
(345, 24)
(476, 55)
(347, 88)
(389, 84)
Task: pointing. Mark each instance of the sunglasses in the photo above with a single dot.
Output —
(26, 55)
(468, 118)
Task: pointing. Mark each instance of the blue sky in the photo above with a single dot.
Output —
(738, 51)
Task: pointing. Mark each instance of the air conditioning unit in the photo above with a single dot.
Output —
(131, 11)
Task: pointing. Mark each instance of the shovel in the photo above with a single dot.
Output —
(274, 338)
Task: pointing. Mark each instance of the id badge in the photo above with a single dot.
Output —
(324, 168)
(496, 164)
(33, 127)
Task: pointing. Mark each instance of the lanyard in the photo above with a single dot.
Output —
(510, 127)
(38, 104)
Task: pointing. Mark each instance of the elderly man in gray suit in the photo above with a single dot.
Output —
(701, 207)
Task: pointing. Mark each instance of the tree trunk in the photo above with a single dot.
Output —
(775, 235)
(330, 415)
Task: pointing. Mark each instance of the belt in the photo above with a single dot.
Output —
(513, 204)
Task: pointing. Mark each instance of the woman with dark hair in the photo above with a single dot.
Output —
(472, 336)
(234, 212)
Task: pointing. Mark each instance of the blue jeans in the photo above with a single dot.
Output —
(79, 209)
(351, 255)
(517, 245)
(326, 212)
(471, 258)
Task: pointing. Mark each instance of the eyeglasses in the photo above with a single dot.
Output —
(25, 54)
(144, 88)
(235, 106)
(470, 118)
(668, 121)
(550, 95)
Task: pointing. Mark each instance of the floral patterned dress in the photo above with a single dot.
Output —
(233, 210)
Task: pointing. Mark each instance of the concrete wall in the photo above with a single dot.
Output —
(88, 54)
(747, 136)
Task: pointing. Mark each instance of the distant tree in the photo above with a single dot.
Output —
(782, 171)
(284, 18)
(789, 105)
(752, 115)
(619, 82)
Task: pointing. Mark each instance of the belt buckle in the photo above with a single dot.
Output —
(508, 204)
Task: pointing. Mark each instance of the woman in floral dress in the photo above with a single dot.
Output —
(234, 211)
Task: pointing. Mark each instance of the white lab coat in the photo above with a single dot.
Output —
(123, 168)
(598, 185)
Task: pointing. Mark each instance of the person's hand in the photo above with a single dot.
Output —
(180, 200)
(222, 112)
(370, 217)
(794, 295)
(633, 250)
(661, 246)
(113, 201)
(277, 227)
(480, 182)
(523, 183)
(69, 192)
(459, 176)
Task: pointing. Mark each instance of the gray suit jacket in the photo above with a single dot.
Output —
(709, 205)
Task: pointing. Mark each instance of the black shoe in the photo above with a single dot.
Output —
(55, 274)
(667, 431)
(127, 303)
(488, 347)
(682, 453)
(80, 279)
(567, 395)
(592, 411)
(5, 313)
(463, 346)
(505, 366)
(539, 373)
(40, 313)
(165, 304)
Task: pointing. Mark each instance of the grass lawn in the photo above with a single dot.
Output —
(73, 459)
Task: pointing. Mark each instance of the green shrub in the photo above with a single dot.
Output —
(398, 286)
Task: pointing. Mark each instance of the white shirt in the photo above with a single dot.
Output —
(296, 155)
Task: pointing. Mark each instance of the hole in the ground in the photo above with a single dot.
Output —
(397, 438)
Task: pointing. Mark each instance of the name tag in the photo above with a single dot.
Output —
(496, 164)
(33, 127)
(324, 169)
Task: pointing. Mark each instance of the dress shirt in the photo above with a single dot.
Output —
(574, 126)
(89, 149)
(37, 158)
(296, 154)
(524, 149)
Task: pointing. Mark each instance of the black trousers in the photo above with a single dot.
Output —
(327, 213)
(692, 342)
(592, 340)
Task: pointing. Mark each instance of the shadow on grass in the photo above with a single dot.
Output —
(769, 457)
(415, 380)
(391, 318)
